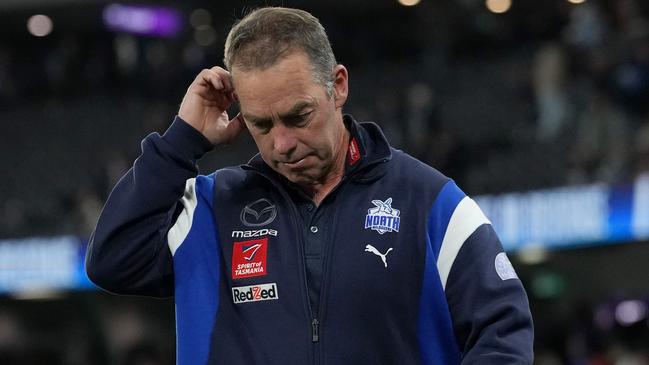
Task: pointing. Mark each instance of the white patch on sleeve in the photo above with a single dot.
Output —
(466, 218)
(504, 267)
(180, 229)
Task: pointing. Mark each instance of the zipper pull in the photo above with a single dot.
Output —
(315, 330)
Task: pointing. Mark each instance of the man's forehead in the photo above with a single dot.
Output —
(269, 86)
(294, 108)
(293, 67)
(290, 56)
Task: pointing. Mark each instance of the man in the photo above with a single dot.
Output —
(329, 247)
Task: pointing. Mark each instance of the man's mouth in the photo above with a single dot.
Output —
(295, 164)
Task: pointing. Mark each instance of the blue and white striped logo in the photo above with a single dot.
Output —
(383, 218)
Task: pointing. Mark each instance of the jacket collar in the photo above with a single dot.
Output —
(367, 154)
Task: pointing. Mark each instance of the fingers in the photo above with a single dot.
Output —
(225, 77)
(205, 105)
(214, 84)
(216, 77)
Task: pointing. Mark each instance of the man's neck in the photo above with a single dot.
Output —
(321, 189)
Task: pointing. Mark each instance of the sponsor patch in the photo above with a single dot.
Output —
(383, 256)
(254, 293)
(254, 233)
(249, 258)
(354, 153)
(258, 213)
(504, 267)
(383, 218)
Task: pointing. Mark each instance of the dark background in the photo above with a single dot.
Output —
(547, 94)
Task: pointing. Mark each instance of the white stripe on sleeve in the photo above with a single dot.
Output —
(180, 229)
(466, 218)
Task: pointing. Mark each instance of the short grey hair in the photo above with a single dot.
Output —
(267, 35)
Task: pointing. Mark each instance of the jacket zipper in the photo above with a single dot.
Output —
(315, 330)
(326, 262)
(315, 324)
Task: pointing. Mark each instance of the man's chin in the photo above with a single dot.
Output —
(300, 179)
(304, 177)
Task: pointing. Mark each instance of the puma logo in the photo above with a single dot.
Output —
(372, 249)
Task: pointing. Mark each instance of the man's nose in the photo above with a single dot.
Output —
(284, 141)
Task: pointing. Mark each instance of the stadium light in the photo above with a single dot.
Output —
(533, 254)
(39, 25)
(629, 312)
(409, 2)
(142, 20)
(498, 6)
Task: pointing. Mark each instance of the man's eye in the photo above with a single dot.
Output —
(263, 127)
(299, 120)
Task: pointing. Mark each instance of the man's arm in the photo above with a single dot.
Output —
(128, 252)
(488, 304)
(490, 314)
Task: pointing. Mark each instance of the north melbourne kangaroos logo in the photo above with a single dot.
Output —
(383, 218)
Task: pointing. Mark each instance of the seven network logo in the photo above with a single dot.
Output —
(383, 218)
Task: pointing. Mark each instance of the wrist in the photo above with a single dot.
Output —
(185, 137)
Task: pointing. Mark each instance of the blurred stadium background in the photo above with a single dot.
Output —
(539, 109)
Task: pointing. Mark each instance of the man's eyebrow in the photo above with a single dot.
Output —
(297, 109)
(256, 120)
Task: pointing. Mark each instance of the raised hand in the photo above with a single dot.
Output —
(205, 106)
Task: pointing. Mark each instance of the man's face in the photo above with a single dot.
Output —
(296, 125)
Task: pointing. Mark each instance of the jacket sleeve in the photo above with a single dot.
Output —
(128, 251)
(488, 304)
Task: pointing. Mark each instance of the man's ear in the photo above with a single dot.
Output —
(340, 86)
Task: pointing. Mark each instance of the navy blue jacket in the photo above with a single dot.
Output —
(413, 272)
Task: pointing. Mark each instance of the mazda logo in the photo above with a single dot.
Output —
(258, 213)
